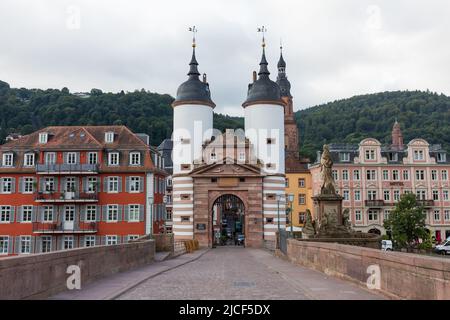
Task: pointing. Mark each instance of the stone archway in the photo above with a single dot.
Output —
(375, 231)
(228, 219)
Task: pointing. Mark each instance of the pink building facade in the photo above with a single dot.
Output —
(371, 177)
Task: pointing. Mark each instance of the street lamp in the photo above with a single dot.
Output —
(279, 198)
(291, 200)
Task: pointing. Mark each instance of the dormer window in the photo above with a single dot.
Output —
(344, 156)
(418, 155)
(370, 154)
(8, 160)
(441, 157)
(113, 159)
(109, 137)
(43, 137)
(393, 156)
(28, 160)
(135, 158)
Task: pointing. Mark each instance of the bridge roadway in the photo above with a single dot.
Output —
(244, 273)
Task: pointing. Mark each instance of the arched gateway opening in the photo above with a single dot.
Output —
(228, 220)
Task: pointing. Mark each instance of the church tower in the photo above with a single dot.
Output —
(397, 136)
(264, 127)
(192, 126)
(290, 126)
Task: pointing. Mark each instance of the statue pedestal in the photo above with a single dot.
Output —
(328, 212)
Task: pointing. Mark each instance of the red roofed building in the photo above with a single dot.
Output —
(68, 187)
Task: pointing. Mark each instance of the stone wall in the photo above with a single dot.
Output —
(163, 242)
(403, 275)
(38, 276)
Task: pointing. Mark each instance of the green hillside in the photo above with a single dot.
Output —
(421, 114)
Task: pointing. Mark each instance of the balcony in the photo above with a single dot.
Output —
(374, 203)
(67, 197)
(426, 203)
(67, 169)
(65, 227)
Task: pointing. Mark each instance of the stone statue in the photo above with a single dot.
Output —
(308, 228)
(346, 219)
(326, 165)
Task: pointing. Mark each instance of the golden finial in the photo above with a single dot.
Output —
(194, 31)
(263, 30)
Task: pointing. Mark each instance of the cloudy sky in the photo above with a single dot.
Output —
(334, 48)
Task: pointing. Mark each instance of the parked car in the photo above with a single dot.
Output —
(386, 245)
(443, 248)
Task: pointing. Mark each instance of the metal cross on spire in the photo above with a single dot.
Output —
(193, 29)
(263, 30)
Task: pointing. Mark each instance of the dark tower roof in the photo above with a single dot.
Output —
(282, 80)
(263, 90)
(193, 91)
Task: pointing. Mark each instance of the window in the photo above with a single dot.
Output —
(111, 240)
(27, 212)
(69, 213)
(371, 174)
(447, 214)
(135, 184)
(418, 155)
(109, 137)
(133, 212)
(405, 175)
(385, 175)
(242, 156)
(113, 159)
(8, 160)
(396, 195)
(444, 175)
(335, 175)
(370, 154)
(286, 183)
(345, 175)
(188, 197)
(435, 195)
(344, 156)
(301, 198)
(71, 158)
(68, 242)
(5, 213)
(395, 175)
(270, 140)
(373, 215)
(269, 220)
(28, 160)
(437, 215)
(301, 183)
(132, 237)
(91, 213)
(441, 157)
(346, 195)
(113, 212)
(421, 194)
(49, 184)
(434, 175)
(445, 196)
(185, 219)
(28, 185)
(386, 214)
(47, 214)
(135, 158)
(393, 156)
(91, 185)
(113, 184)
(356, 175)
(420, 175)
(301, 217)
(371, 194)
(386, 195)
(50, 158)
(358, 215)
(89, 241)
(46, 243)
(357, 195)
(92, 158)
(6, 185)
(4, 244)
(43, 137)
(185, 167)
(213, 156)
(70, 184)
(25, 244)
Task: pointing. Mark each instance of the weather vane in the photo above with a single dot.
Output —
(263, 30)
(281, 44)
(194, 31)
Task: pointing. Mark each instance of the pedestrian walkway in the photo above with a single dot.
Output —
(112, 286)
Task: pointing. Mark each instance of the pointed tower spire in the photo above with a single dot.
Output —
(282, 81)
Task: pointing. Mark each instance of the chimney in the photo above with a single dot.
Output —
(254, 76)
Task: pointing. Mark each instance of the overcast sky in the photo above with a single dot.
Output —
(334, 49)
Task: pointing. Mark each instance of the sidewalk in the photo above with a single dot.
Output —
(110, 287)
